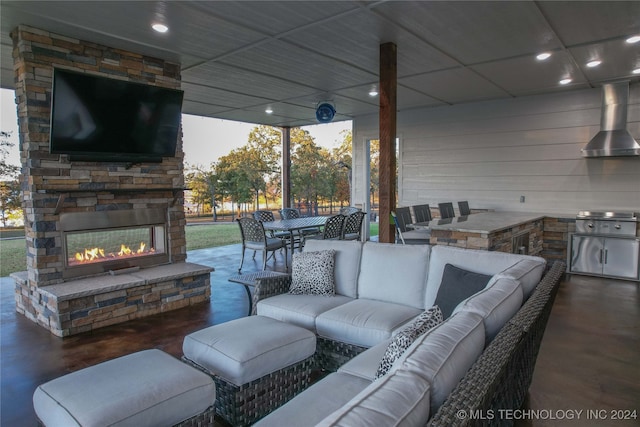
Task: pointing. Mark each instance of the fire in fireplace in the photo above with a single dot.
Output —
(87, 247)
(97, 242)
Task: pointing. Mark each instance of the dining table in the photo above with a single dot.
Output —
(295, 225)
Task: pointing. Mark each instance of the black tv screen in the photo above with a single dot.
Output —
(102, 119)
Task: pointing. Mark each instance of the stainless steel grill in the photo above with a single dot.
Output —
(605, 244)
(621, 224)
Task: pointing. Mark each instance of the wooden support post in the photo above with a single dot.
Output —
(387, 167)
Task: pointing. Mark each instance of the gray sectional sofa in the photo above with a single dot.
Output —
(490, 337)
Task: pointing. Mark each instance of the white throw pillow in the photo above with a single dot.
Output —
(313, 273)
(406, 336)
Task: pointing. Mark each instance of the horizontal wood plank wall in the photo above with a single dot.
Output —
(491, 153)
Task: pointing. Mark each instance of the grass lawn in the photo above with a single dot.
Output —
(13, 252)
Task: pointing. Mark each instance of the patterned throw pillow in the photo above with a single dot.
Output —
(312, 273)
(424, 322)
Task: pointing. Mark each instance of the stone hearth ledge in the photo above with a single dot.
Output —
(96, 285)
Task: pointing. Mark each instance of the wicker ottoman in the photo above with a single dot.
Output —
(148, 388)
(257, 363)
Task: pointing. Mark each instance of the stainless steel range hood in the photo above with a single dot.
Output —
(614, 139)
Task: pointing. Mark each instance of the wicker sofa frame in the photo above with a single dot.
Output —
(245, 404)
(497, 381)
(500, 378)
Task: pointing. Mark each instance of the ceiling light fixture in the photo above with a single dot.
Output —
(159, 27)
(593, 63)
(543, 56)
(373, 91)
(636, 71)
(269, 110)
(565, 81)
(634, 39)
(159, 23)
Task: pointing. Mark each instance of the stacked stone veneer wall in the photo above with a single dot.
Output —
(556, 237)
(498, 241)
(52, 184)
(90, 303)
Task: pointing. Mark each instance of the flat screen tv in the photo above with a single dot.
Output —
(103, 119)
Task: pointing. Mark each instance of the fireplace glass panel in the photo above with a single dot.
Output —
(90, 247)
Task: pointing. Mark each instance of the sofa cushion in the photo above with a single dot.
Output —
(398, 399)
(484, 262)
(526, 271)
(394, 273)
(497, 303)
(363, 322)
(457, 285)
(300, 310)
(316, 402)
(365, 365)
(406, 336)
(444, 354)
(248, 348)
(312, 273)
(347, 262)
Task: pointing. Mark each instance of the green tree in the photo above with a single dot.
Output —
(198, 180)
(7, 171)
(233, 179)
(306, 161)
(10, 200)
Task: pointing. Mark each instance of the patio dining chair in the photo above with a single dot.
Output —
(422, 213)
(332, 228)
(464, 208)
(352, 229)
(268, 216)
(254, 237)
(446, 210)
(402, 218)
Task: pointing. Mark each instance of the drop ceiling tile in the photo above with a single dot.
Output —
(474, 32)
(618, 58)
(526, 75)
(244, 82)
(452, 86)
(219, 97)
(355, 39)
(299, 66)
(578, 22)
(277, 17)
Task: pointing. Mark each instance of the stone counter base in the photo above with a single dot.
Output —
(497, 241)
(86, 304)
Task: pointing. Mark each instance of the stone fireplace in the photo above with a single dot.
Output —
(105, 241)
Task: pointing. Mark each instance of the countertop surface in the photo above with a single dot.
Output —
(485, 222)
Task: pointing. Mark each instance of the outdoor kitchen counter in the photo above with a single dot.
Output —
(511, 232)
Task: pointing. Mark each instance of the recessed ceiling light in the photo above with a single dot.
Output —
(594, 63)
(636, 71)
(159, 27)
(565, 81)
(634, 39)
(269, 110)
(543, 56)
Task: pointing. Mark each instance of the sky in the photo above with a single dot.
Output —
(204, 139)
